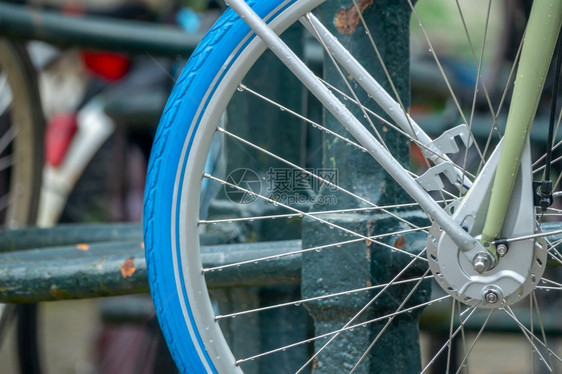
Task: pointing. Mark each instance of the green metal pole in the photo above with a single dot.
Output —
(17, 21)
(361, 264)
(87, 270)
(538, 47)
(68, 234)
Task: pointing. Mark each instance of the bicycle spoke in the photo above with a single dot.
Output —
(451, 329)
(420, 144)
(374, 90)
(541, 168)
(323, 297)
(478, 61)
(335, 332)
(509, 83)
(315, 176)
(484, 324)
(554, 146)
(373, 209)
(553, 252)
(389, 321)
(396, 277)
(316, 125)
(451, 336)
(552, 245)
(532, 327)
(441, 70)
(345, 80)
(305, 214)
(529, 336)
(534, 302)
(387, 74)
(381, 60)
(556, 256)
(552, 212)
(368, 112)
(556, 184)
(374, 239)
(550, 281)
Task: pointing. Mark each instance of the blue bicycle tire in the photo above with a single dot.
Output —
(229, 45)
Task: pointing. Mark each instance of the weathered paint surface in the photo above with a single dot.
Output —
(347, 19)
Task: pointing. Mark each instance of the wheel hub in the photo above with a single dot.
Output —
(475, 277)
(515, 275)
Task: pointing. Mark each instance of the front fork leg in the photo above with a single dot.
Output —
(538, 47)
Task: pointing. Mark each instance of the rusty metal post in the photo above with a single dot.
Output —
(364, 263)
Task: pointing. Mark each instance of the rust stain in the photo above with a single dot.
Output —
(128, 267)
(82, 246)
(346, 20)
(371, 225)
(400, 243)
(315, 363)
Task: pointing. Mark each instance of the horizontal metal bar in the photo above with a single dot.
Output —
(90, 269)
(70, 234)
(119, 268)
(108, 34)
(282, 271)
(67, 234)
(80, 271)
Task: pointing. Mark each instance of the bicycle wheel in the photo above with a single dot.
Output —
(22, 138)
(357, 241)
(21, 163)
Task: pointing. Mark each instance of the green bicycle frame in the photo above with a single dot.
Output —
(538, 47)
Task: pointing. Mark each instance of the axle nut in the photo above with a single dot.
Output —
(491, 297)
(482, 262)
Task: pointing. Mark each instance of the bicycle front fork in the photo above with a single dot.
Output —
(538, 47)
